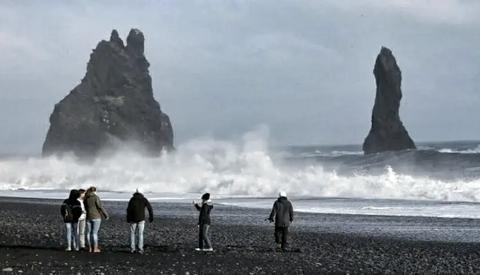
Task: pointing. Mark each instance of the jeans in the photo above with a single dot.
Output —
(72, 240)
(133, 228)
(92, 232)
(281, 235)
(203, 236)
(81, 232)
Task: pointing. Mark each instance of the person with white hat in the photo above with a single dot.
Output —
(282, 215)
(136, 219)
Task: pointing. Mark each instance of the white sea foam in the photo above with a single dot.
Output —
(334, 153)
(242, 168)
(475, 150)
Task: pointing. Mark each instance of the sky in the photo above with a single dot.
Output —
(221, 68)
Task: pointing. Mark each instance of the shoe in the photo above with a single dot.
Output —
(140, 252)
(198, 249)
(132, 251)
(208, 249)
(68, 249)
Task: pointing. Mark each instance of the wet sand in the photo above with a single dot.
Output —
(32, 242)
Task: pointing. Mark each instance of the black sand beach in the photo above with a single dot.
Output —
(31, 242)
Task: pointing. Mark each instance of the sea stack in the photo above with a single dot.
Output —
(387, 132)
(113, 106)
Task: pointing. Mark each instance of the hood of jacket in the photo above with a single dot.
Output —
(282, 199)
(138, 195)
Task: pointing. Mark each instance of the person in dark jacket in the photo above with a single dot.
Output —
(95, 213)
(136, 219)
(204, 222)
(71, 211)
(282, 215)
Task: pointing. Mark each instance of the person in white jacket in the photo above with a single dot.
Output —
(82, 220)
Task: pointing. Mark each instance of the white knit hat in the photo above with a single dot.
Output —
(282, 194)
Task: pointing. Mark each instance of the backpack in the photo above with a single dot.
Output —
(67, 212)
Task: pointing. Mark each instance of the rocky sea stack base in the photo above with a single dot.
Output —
(387, 132)
(112, 106)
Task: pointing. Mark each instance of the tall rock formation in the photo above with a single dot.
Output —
(387, 132)
(113, 105)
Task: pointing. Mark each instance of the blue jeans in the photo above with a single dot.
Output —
(133, 227)
(92, 232)
(82, 224)
(72, 240)
(203, 239)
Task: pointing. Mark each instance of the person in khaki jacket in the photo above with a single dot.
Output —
(95, 213)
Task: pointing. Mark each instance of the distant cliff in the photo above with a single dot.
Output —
(112, 105)
(387, 132)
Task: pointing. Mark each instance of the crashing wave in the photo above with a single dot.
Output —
(243, 168)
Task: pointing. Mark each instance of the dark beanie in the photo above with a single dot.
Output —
(206, 196)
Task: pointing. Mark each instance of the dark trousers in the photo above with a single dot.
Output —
(203, 239)
(281, 235)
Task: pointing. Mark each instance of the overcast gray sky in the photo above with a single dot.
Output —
(220, 68)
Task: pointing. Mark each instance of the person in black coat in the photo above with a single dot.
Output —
(282, 215)
(71, 210)
(136, 219)
(204, 222)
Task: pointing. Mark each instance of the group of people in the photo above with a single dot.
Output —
(83, 212)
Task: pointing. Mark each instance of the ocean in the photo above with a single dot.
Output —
(437, 180)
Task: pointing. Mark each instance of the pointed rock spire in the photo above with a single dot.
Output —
(387, 132)
(115, 38)
(135, 42)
